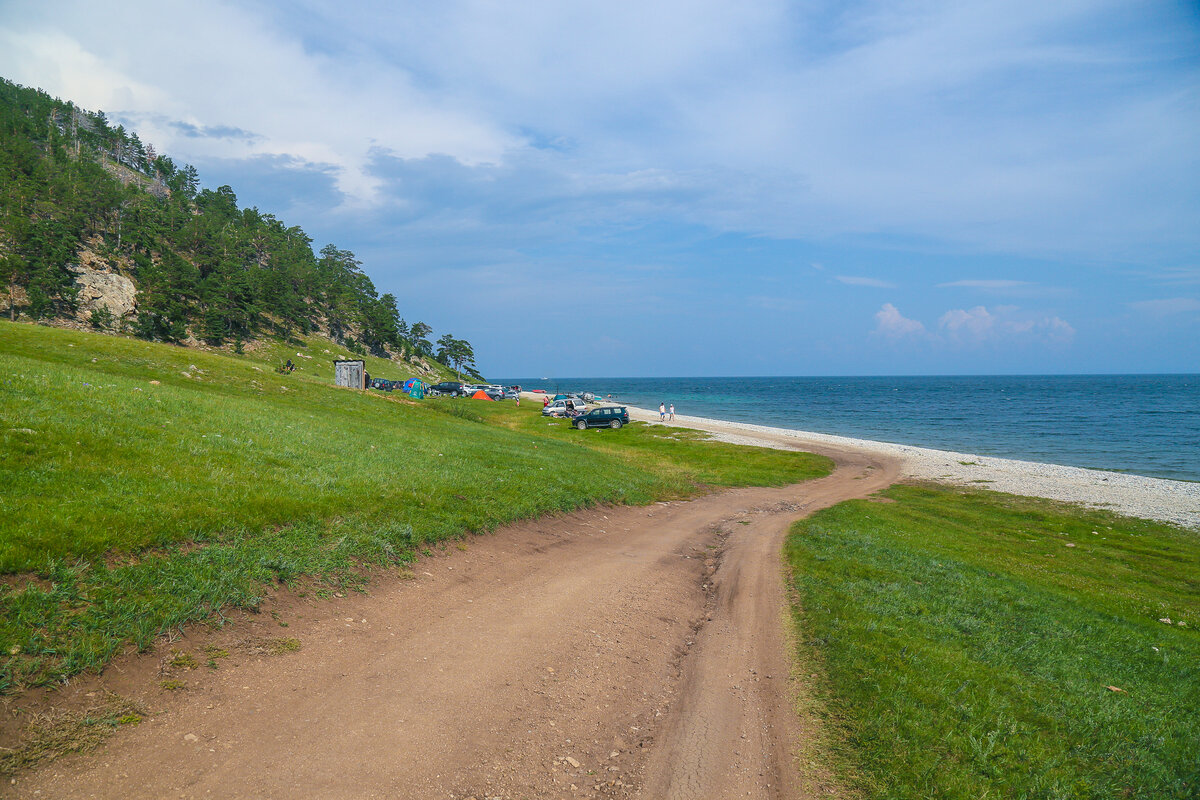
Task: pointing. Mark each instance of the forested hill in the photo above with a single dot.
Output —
(83, 203)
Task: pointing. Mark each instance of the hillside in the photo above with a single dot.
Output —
(98, 230)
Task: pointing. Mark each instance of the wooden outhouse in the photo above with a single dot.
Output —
(350, 373)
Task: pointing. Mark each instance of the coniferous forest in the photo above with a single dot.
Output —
(204, 269)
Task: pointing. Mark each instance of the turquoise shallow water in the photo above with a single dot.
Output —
(1144, 424)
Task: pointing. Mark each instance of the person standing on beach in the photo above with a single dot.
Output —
(662, 411)
(672, 413)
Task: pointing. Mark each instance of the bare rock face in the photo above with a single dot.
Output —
(12, 295)
(99, 288)
(423, 367)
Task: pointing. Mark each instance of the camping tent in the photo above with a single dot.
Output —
(415, 388)
(480, 394)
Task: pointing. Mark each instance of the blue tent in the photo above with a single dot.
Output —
(415, 388)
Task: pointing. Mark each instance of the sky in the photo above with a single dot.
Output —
(697, 188)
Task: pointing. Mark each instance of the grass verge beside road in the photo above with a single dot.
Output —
(982, 645)
(149, 486)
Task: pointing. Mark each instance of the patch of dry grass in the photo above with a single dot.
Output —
(56, 733)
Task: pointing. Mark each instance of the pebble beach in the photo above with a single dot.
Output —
(1175, 502)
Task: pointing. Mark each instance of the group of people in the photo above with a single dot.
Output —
(665, 414)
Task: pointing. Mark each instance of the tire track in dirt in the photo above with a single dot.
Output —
(733, 730)
(616, 652)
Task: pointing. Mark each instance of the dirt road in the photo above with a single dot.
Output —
(619, 652)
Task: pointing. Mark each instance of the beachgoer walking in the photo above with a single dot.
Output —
(672, 413)
(662, 412)
(518, 399)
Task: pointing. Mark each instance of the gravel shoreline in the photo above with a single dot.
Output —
(1176, 502)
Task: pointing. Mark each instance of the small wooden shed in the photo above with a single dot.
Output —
(351, 373)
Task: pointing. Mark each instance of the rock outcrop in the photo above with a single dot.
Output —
(102, 288)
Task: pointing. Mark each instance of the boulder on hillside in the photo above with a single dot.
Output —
(100, 288)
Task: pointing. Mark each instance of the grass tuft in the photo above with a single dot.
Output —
(183, 661)
(284, 644)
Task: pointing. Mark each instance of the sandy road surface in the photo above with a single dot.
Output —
(618, 652)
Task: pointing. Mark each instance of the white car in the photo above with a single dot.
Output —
(561, 408)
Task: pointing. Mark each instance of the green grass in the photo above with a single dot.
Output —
(967, 651)
(149, 486)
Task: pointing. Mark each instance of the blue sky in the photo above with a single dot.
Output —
(698, 188)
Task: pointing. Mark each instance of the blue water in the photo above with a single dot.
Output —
(1144, 424)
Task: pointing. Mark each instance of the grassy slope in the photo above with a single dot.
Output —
(273, 476)
(968, 650)
(114, 461)
(313, 355)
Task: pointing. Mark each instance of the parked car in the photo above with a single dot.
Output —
(604, 417)
(452, 388)
(564, 408)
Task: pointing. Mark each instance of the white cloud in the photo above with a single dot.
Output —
(978, 325)
(891, 323)
(54, 60)
(1057, 330)
(1166, 306)
(851, 280)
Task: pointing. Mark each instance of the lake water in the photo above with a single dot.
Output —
(1144, 424)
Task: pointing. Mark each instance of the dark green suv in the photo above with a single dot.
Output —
(606, 417)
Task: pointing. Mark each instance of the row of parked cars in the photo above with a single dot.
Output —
(459, 389)
(573, 408)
